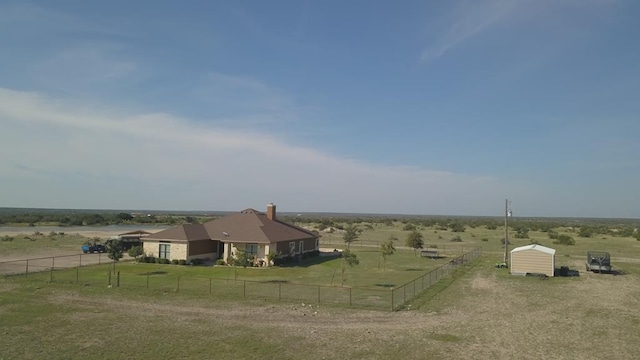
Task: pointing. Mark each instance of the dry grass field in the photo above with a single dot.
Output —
(481, 313)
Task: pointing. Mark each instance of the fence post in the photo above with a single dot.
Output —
(109, 277)
(51, 276)
(118, 280)
(404, 298)
(392, 307)
(26, 274)
(209, 286)
(147, 280)
(279, 291)
(350, 297)
(78, 274)
(244, 288)
(80, 263)
(53, 262)
(178, 289)
(318, 294)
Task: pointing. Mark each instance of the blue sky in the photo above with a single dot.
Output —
(414, 107)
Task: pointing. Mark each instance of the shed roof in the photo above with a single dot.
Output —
(536, 247)
(252, 226)
(184, 233)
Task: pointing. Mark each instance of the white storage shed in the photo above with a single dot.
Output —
(532, 259)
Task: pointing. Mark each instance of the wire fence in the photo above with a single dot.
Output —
(402, 294)
(51, 263)
(58, 269)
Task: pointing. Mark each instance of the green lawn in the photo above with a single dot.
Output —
(315, 280)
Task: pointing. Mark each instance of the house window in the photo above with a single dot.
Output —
(252, 250)
(164, 252)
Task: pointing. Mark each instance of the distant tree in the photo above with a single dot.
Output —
(415, 240)
(348, 258)
(457, 227)
(409, 227)
(351, 234)
(135, 251)
(94, 219)
(387, 249)
(522, 232)
(114, 251)
(585, 232)
(636, 235)
(124, 216)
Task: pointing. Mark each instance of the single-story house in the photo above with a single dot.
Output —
(260, 234)
(533, 259)
(182, 242)
(255, 232)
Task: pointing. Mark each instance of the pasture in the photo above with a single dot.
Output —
(477, 312)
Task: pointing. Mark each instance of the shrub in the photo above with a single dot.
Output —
(196, 262)
(174, 261)
(283, 260)
(484, 239)
(166, 261)
(158, 260)
(564, 240)
(149, 259)
(456, 238)
(182, 262)
(135, 251)
(220, 262)
(409, 227)
(7, 238)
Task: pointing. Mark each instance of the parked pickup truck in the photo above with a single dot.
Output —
(93, 248)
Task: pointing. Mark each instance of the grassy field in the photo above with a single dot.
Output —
(38, 242)
(480, 312)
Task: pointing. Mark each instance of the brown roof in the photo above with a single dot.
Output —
(185, 232)
(252, 226)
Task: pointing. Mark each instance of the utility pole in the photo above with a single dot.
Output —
(506, 230)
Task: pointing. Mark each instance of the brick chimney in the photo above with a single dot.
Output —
(271, 211)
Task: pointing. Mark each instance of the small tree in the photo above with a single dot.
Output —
(348, 258)
(241, 258)
(351, 234)
(135, 251)
(415, 240)
(387, 249)
(114, 251)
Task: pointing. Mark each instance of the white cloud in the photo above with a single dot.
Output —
(466, 21)
(162, 161)
(84, 67)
